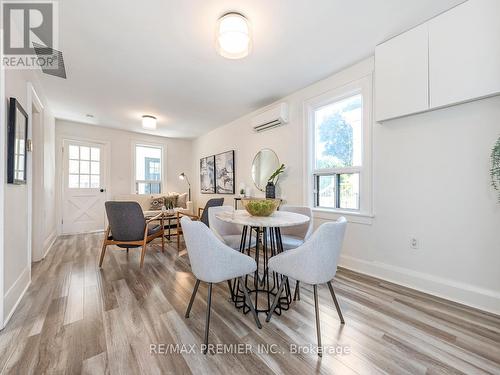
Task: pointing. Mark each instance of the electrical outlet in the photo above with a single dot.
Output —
(414, 243)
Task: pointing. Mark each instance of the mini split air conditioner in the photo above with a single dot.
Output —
(270, 119)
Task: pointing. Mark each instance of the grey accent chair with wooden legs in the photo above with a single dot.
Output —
(129, 229)
(213, 262)
(315, 262)
(202, 216)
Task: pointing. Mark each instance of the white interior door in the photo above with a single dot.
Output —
(84, 187)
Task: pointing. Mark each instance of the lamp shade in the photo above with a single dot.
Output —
(149, 122)
(233, 39)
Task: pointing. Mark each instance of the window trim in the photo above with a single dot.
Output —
(163, 168)
(364, 86)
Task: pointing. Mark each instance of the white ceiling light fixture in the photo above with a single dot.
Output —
(233, 39)
(149, 122)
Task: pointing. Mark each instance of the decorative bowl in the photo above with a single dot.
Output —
(260, 206)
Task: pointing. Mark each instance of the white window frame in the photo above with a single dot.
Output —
(162, 166)
(363, 86)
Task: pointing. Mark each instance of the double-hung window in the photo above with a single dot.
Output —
(148, 169)
(339, 123)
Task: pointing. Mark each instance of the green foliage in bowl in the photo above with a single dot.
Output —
(260, 207)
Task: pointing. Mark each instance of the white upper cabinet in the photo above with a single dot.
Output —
(464, 53)
(401, 75)
(451, 59)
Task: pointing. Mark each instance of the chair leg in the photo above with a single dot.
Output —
(192, 298)
(207, 324)
(296, 294)
(337, 306)
(104, 245)
(103, 251)
(162, 222)
(318, 330)
(143, 253)
(249, 301)
(277, 298)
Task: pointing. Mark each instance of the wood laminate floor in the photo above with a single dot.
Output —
(76, 318)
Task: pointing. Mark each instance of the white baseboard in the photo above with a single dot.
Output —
(49, 241)
(480, 298)
(15, 294)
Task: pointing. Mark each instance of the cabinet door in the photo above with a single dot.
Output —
(464, 53)
(402, 75)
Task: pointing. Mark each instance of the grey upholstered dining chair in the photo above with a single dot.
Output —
(214, 262)
(202, 216)
(315, 262)
(229, 233)
(294, 236)
(128, 228)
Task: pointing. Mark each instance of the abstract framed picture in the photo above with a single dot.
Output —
(17, 139)
(207, 175)
(224, 172)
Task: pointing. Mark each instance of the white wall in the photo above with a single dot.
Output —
(177, 152)
(430, 180)
(17, 257)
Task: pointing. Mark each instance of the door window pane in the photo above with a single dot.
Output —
(84, 153)
(73, 181)
(94, 167)
(74, 167)
(83, 173)
(84, 181)
(95, 154)
(84, 167)
(94, 181)
(338, 134)
(349, 191)
(74, 152)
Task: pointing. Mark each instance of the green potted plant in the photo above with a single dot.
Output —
(495, 167)
(271, 183)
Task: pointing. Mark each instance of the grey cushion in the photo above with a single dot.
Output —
(153, 229)
(234, 241)
(291, 242)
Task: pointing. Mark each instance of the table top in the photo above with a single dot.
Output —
(276, 220)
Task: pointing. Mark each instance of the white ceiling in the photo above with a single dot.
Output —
(129, 58)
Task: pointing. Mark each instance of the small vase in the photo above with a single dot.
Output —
(270, 190)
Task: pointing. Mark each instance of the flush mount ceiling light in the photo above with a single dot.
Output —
(233, 39)
(149, 122)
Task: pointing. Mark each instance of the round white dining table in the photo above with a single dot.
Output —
(266, 230)
(278, 219)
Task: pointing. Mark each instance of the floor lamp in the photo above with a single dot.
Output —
(183, 176)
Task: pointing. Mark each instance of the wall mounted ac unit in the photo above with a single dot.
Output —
(272, 118)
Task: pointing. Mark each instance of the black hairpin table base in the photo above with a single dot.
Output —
(264, 284)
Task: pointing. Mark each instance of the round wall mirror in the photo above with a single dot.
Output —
(264, 164)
